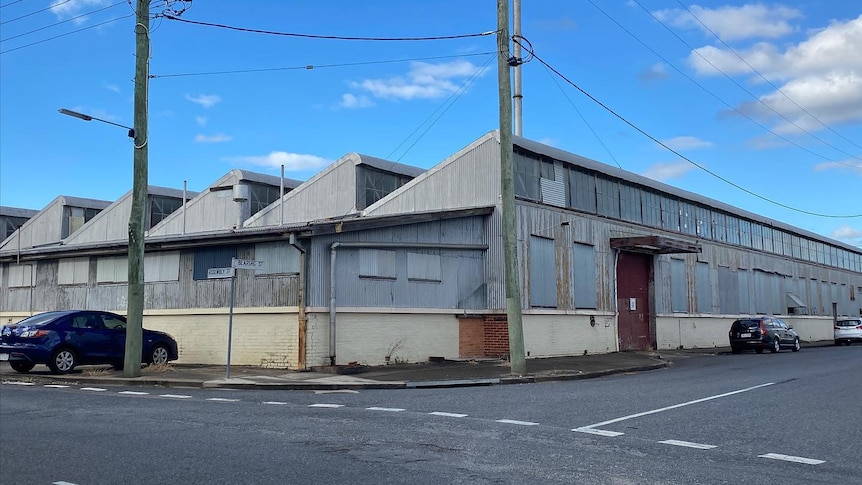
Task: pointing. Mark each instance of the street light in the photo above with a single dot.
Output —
(85, 117)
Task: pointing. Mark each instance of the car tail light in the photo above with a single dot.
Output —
(34, 333)
(858, 327)
(762, 328)
(839, 328)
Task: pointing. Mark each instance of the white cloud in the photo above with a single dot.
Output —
(205, 100)
(735, 22)
(112, 87)
(291, 161)
(201, 120)
(848, 235)
(848, 165)
(667, 171)
(66, 9)
(217, 138)
(656, 72)
(822, 74)
(352, 101)
(423, 81)
(687, 143)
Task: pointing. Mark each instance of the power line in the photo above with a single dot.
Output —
(67, 33)
(328, 37)
(33, 13)
(740, 86)
(309, 67)
(584, 119)
(62, 21)
(656, 140)
(12, 3)
(718, 98)
(731, 49)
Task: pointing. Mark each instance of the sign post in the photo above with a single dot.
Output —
(220, 273)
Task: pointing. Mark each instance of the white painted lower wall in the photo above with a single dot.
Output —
(367, 338)
(709, 331)
(552, 335)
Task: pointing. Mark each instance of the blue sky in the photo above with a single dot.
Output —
(767, 96)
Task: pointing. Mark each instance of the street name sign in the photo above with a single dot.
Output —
(246, 264)
(215, 273)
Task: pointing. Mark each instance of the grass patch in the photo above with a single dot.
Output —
(96, 372)
(158, 369)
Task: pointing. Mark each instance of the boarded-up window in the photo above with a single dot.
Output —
(630, 203)
(582, 190)
(728, 291)
(608, 197)
(742, 277)
(527, 175)
(162, 266)
(584, 275)
(678, 286)
(704, 222)
(214, 257)
(424, 267)
(277, 257)
(543, 273)
(114, 269)
(553, 184)
(704, 288)
(687, 218)
(21, 275)
(377, 263)
(73, 271)
(651, 208)
(669, 214)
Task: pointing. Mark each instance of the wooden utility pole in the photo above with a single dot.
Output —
(518, 96)
(135, 303)
(507, 189)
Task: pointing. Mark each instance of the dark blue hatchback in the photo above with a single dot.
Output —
(64, 339)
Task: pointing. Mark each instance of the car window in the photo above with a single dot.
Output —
(849, 323)
(113, 322)
(79, 321)
(40, 319)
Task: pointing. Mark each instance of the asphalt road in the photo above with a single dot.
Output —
(706, 419)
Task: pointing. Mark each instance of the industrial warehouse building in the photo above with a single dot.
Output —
(371, 260)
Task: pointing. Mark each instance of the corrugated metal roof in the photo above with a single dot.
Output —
(390, 166)
(17, 212)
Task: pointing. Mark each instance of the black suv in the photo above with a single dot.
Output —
(760, 333)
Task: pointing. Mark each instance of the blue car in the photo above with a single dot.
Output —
(64, 339)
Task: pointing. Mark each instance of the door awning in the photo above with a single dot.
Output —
(654, 245)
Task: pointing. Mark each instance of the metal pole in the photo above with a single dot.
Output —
(281, 198)
(185, 187)
(507, 189)
(518, 96)
(135, 308)
(230, 320)
(332, 303)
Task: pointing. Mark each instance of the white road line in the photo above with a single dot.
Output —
(175, 396)
(794, 459)
(134, 393)
(222, 399)
(688, 444)
(515, 421)
(448, 415)
(324, 405)
(274, 402)
(19, 383)
(600, 432)
(668, 408)
(55, 386)
(94, 389)
(337, 391)
(63, 483)
(393, 410)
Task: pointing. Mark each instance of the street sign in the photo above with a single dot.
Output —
(215, 273)
(246, 264)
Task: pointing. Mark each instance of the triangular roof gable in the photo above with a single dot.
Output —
(469, 178)
(46, 227)
(330, 193)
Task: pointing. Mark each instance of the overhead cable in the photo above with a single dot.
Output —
(680, 155)
(67, 33)
(63, 21)
(34, 12)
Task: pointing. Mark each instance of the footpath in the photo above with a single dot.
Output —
(446, 373)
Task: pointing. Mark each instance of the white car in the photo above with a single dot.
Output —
(848, 330)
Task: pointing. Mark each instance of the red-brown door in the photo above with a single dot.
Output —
(634, 272)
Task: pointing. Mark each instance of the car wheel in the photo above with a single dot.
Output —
(22, 367)
(735, 350)
(796, 345)
(759, 350)
(776, 346)
(63, 361)
(159, 355)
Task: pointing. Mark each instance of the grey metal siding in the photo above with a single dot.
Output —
(584, 275)
(704, 288)
(679, 285)
(543, 273)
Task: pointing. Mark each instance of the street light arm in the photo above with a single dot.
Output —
(86, 117)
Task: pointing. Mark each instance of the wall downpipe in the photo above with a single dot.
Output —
(185, 187)
(281, 201)
(302, 317)
(332, 251)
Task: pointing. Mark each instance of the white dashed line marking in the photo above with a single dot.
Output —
(277, 403)
(600, 432)
(794, 459)
(337, 391)
(448, 415)
(175, 396)
(134, 393)
(392, 410)
(20, 383)
(222, 399)
(94, 389)
(688, 444)
(63, 483)
(55, 386)
(324, 405)
(515, 421)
